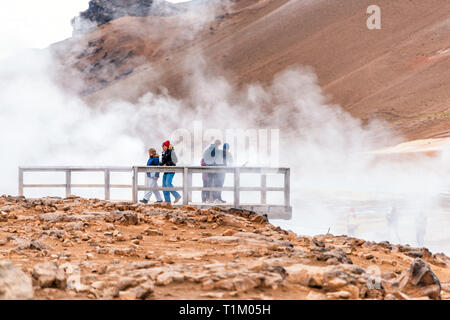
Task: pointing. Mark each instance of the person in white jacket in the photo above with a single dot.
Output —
(210, 156)
(225, 159)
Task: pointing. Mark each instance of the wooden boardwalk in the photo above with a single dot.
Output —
(274, 211)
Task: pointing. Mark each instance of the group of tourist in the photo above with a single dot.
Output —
(212, 156)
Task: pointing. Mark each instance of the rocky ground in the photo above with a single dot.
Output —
(75, 248)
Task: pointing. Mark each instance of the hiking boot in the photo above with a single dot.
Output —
(177, 199)
(144, 201)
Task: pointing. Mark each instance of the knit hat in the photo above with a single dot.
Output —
(166, 143)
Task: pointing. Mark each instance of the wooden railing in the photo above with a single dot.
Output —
(68, 183)
(186, 188)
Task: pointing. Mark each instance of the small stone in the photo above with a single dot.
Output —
(14, 283)
(98, 285)
(445, 287)
(165, 278)
(224, 284)
(390, 297)
(221, 240)
(244, 284)
(111, 292)
(312, 295)
(213, 295)
(152, 232)
(272, 280)
(149, 255)
(339, 295)
(144, 290)
(49, 275)
(334, 284)
(419, 280)
(208, 284)
(127, 295)
(228, 232)
(368, 256)
(126, 282)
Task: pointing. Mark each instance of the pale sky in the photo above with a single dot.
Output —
(37, 24)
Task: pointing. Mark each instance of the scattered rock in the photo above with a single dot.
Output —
(14, 283)
(48, 275)
(339, 295)
(417, 281)
(126, 283)
(213, 295)
(144, 290)
(221, 240)
(306, 275)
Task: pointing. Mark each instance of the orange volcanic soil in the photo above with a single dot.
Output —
(76, 248)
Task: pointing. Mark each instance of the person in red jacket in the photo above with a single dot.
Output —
(169, 158)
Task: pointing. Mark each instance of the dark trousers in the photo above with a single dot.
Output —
(209, 182)
(205, 194)
(218, 183)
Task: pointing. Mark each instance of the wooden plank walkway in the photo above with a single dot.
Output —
(273, 211)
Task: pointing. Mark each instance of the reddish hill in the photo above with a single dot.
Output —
(399, 74)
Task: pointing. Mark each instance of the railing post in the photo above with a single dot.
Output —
(236, 187)
(185, 185)
(135, 184)
(287, 187)
(107, 184)
(264, 191)
(68, 183)
(20, 182)
(189, 186)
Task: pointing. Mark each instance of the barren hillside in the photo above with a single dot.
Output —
(76, 248)
(399, 74)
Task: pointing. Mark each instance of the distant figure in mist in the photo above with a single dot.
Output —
(225, 159)
(152, 177)
(421, 228)
(352, 223)
(392, 218)
(210, 157)
(169, 158)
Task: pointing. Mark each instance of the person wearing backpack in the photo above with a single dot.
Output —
(169, 158)
(225, 160)
(210, 156)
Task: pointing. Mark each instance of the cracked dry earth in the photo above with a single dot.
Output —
(76, 248)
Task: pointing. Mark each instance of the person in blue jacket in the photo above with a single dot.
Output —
(152, 177)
